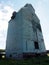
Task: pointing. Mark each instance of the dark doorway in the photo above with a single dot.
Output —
(36, 45)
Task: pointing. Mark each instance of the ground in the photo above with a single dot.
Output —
(41, 60)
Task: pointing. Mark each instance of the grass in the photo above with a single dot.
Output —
(44, 60)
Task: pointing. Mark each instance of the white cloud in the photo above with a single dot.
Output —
(5, 14)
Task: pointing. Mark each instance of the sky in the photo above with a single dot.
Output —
(8, 6)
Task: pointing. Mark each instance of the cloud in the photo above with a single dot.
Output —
(5, 14)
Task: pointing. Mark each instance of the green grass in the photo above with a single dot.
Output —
(32, 61)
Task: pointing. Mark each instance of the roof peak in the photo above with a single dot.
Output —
(28, 5)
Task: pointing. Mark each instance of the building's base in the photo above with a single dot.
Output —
(27, 55)
(30, 55)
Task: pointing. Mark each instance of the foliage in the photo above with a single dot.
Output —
(43, 60)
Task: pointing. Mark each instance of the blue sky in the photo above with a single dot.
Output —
(8, 6)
